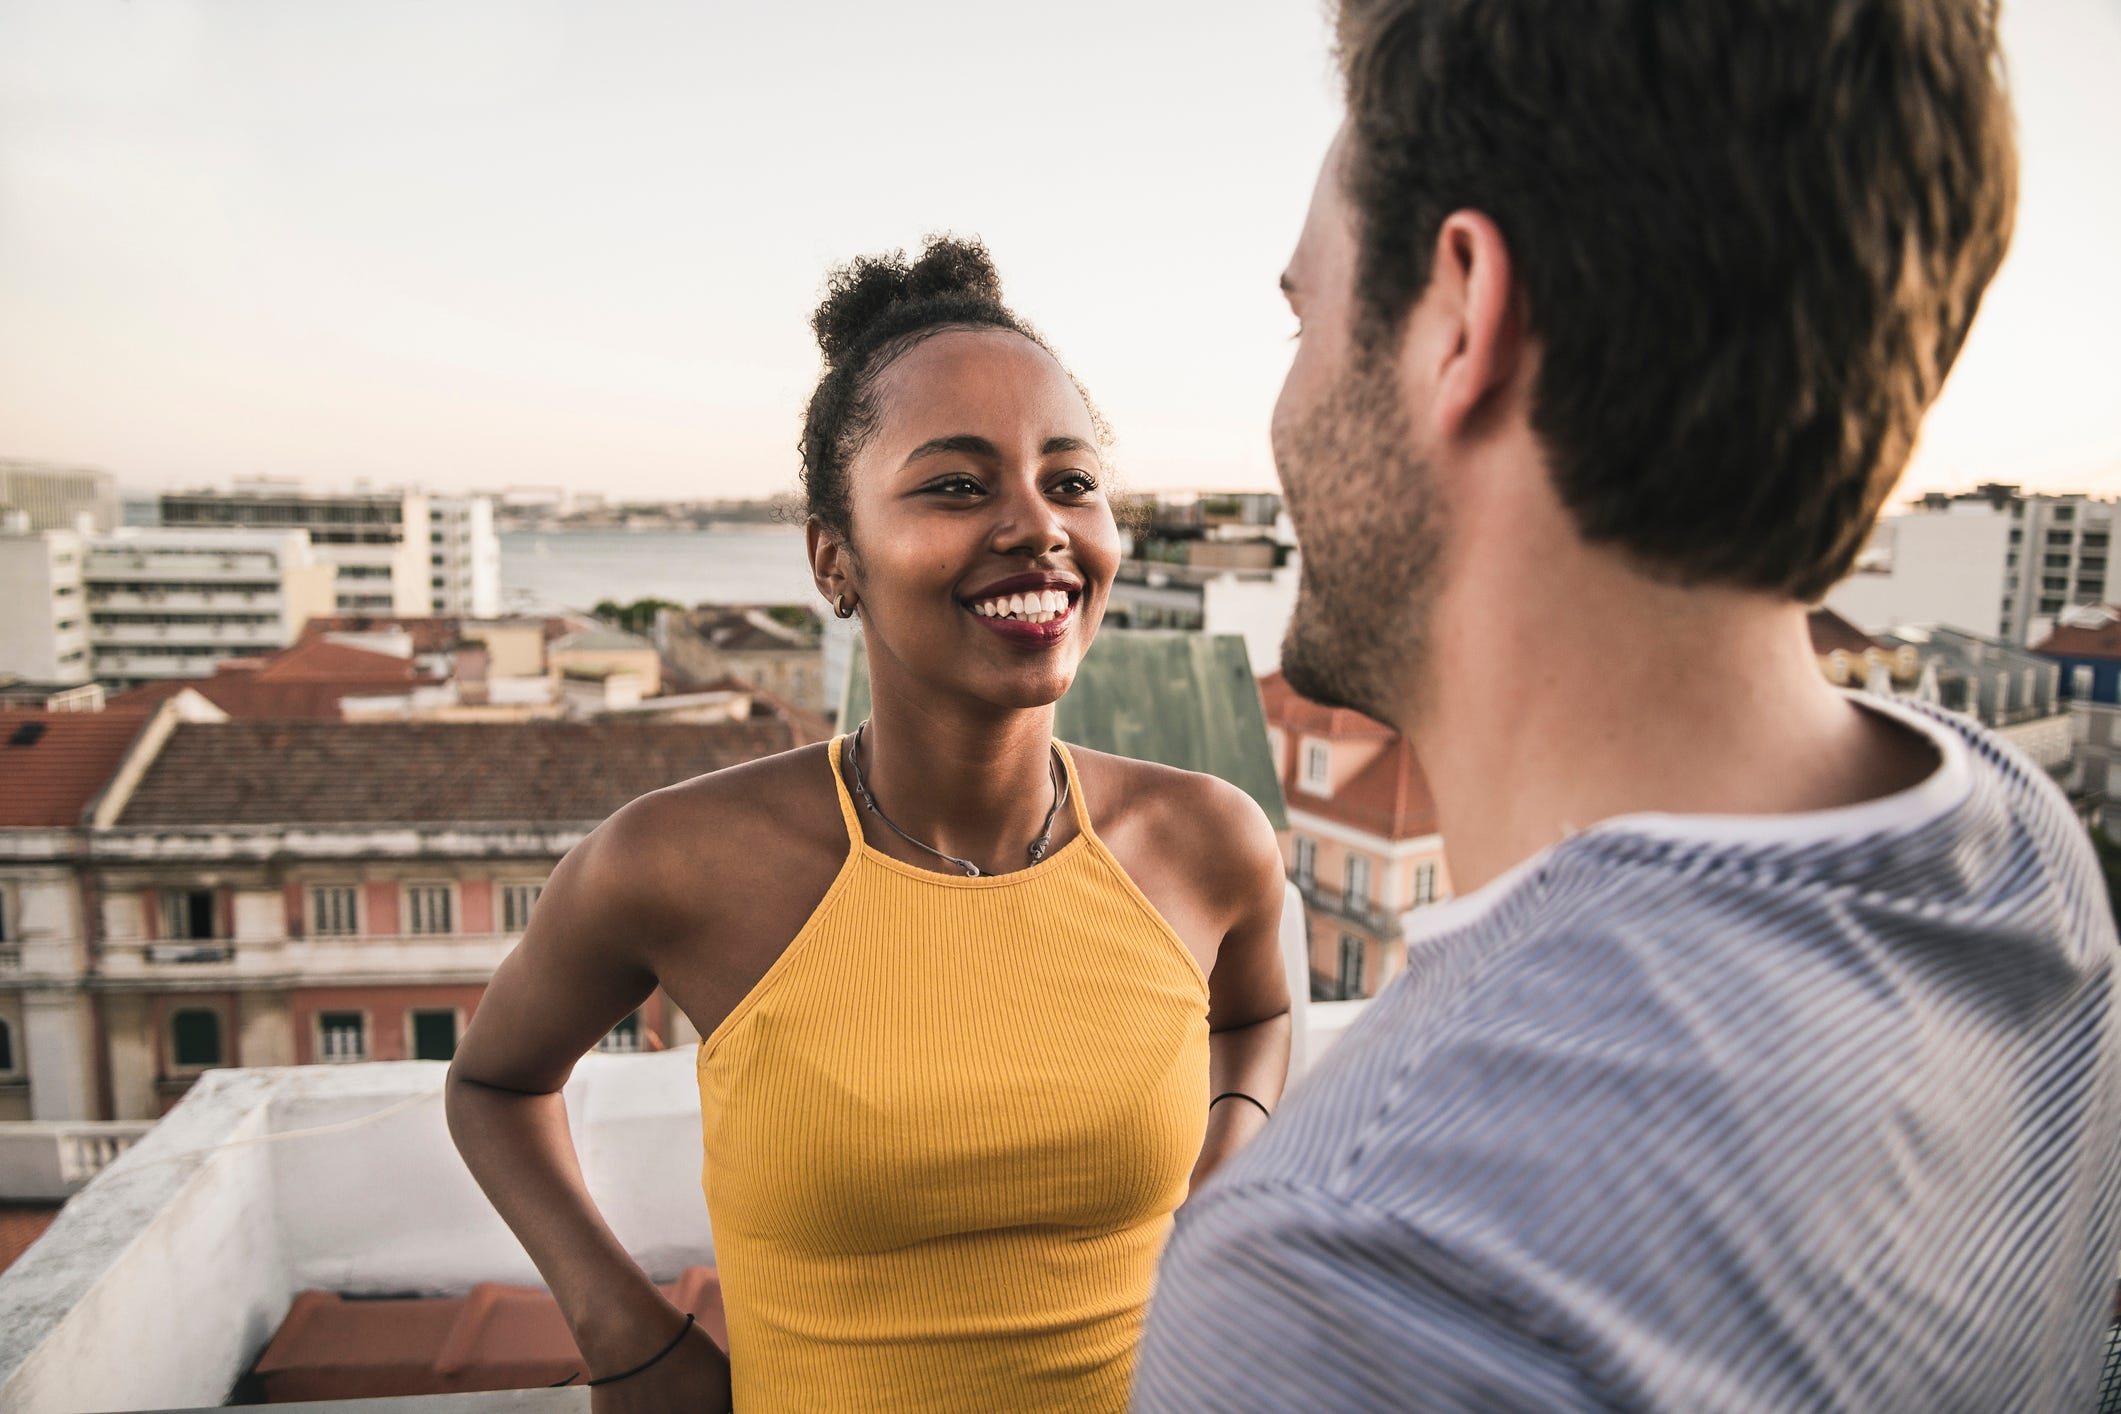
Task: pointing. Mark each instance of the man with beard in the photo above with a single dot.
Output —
(1769, 1058)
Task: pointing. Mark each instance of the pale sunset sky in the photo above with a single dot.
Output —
(472, 243)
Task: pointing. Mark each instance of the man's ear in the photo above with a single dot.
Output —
(1467, 329)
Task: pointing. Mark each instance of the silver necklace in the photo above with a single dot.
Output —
(1038, 847)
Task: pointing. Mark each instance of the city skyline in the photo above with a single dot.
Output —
(469, 245)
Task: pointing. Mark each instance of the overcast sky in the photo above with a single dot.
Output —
(474, 243)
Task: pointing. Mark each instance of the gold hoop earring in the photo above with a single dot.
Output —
(841, 607)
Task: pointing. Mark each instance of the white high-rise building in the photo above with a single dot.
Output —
(1992, 561)
(57, 497)
(43, 606)
(173, 603)
(378, 541)
(465, 558)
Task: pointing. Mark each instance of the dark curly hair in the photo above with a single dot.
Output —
(875, 309)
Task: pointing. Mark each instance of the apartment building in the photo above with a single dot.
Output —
(1362, 844)
(379, 543)
(44, 631)
(180, 891)
(464, 556)
(60, 497)
(1995, 561)
(1210, 564)
(55, 764)
(174, 603)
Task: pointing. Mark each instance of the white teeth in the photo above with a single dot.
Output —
(1038, 607)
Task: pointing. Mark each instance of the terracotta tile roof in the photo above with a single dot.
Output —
(2070, 641)
(52, 764)
(1293, 714)
(321, 660)
(431, 633)
(20, 1225)
(1830, 632)
(376, 773)
(1388, 798)
(498, 1337)
(237, 695)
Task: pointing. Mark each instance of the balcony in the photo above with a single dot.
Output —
(45, 1160)
(1365, 913)
(203, 600)
(214, 638)
(444, 957)
(160, 1283)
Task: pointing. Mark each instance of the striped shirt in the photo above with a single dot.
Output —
(1808, 1112)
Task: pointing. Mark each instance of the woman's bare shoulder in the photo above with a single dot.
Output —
(1217, 824)
(679, 848)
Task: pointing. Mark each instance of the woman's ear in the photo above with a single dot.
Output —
(831, 564)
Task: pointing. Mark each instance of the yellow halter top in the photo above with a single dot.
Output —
(945, 1134)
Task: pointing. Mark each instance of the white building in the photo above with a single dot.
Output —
(56, 497)
(378, 541)
(465, 558)
(44, 626)
(1995, 561)
(1255, 603)
(173, 603)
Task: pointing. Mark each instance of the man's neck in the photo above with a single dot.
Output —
(1591, 693)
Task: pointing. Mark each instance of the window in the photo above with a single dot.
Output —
(429, 908)
(1351, 965)
(434, 1034)
(1357, 890)
(6, 918)
(624, 1038)
(194, 1039)
(516, 903)
(334, 911)
(1306, 859)
(343, 1035)
(7, 1047)
(2080, 682)
(1318, 766)
(1424, 884)
(188, 913)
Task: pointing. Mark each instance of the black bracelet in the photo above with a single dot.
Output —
(614, 1379)
(1240, 1095)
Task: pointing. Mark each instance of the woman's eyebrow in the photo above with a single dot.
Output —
(963, 444)
(968, 445)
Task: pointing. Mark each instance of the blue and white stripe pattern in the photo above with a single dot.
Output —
(1800, 1113)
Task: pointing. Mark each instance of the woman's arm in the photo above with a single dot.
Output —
(585, 962)
(1248, 992)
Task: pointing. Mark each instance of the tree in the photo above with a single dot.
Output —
(637, 617)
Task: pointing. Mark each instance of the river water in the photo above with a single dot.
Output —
(575, 569)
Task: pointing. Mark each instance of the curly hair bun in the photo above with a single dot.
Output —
(862, 292)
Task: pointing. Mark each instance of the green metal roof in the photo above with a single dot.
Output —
(1184, 699)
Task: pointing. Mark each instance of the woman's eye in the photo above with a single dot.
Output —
(1075, 483)
(958, 486)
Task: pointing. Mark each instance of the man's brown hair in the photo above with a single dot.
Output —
(1749, 234)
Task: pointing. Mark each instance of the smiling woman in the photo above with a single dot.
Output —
(970, 1041)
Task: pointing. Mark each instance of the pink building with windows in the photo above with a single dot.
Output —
(183, 891)
(1362, 844)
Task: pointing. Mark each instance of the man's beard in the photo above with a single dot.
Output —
(1368, 527)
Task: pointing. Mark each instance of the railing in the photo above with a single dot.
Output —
(48, 1160)
(1362, 912)
(10, 957)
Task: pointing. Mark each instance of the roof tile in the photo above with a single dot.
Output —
(377, 773)
(52, 764)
